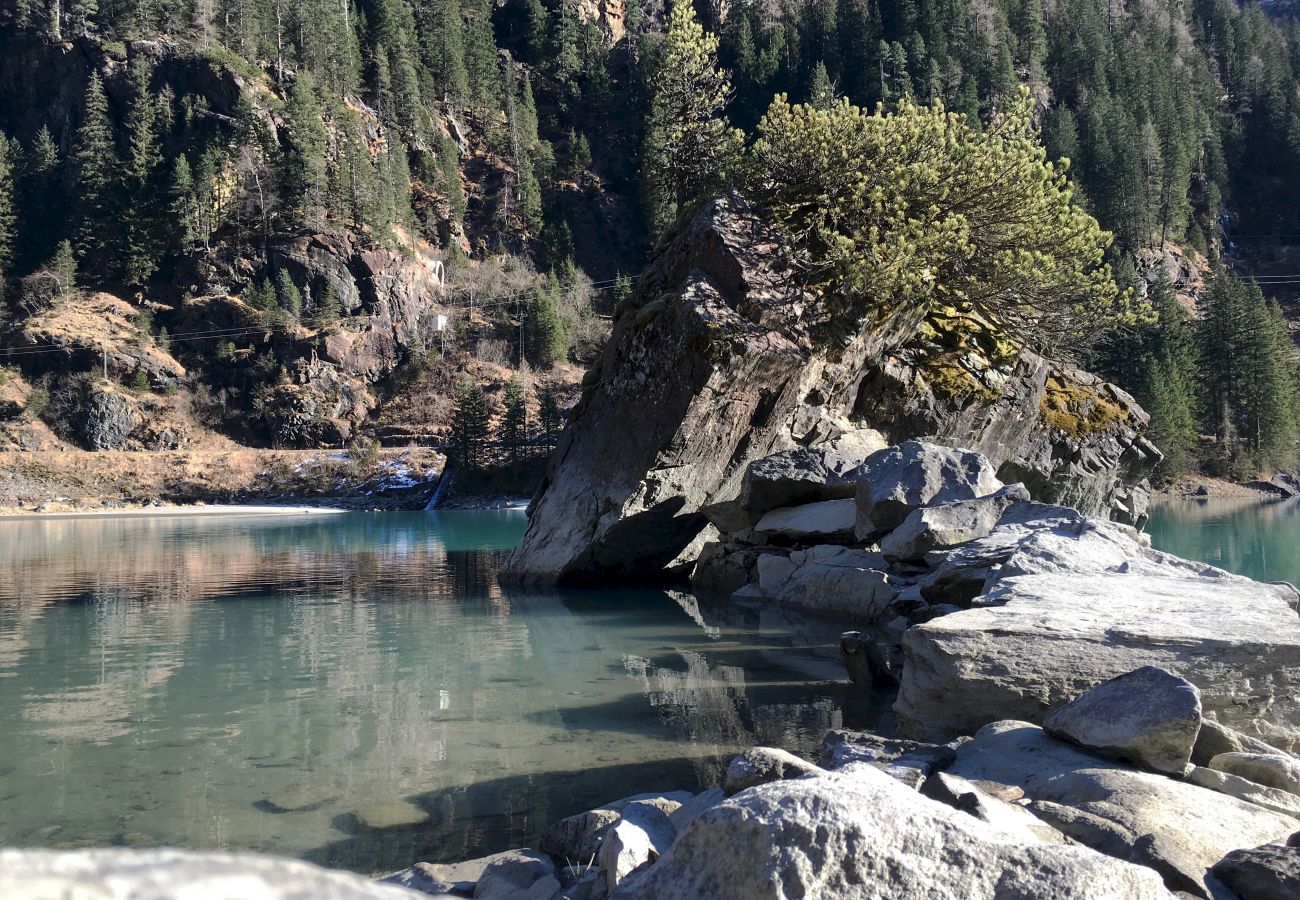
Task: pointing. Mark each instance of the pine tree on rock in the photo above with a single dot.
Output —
(692, 149)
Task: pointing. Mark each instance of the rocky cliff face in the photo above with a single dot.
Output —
(711, 368)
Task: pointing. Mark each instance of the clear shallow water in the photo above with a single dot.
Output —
(358, 690)
(1258, 538)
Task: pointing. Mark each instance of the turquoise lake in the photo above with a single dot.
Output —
(358, 690)
(1246, 535)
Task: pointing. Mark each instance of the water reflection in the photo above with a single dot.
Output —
(1255, 537)
(360, 690)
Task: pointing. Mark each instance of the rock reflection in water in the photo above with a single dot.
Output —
(359, 690)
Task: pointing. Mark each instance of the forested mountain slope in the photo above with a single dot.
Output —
(284, 197)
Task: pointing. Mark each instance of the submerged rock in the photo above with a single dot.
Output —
(860, 834)
(1148, 717)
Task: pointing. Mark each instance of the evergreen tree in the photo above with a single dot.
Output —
(41, 202)
(303, 170)
(546, 340)
(140, 250)
(288, 297)
(470, 425)
(95, 163)
(8, 216)
(549, 411)
(692, 149)
(514, 421)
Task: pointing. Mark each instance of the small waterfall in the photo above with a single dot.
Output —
(444, 483)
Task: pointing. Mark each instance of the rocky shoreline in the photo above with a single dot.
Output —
(1078, 716)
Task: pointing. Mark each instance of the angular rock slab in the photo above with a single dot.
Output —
(858, 834)
(1149, 717)
(168, 874)
(896, 480)
(1050, 637)
(1175, 827)
(937, 528)
(822, 521)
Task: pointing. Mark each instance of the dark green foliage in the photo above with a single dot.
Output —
(470, 426)
(546, 341)
(514, 420)
(303, 168)
(8, 214)
(95, 163)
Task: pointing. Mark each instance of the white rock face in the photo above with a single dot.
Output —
(1235, 786)
(858, 834)
(1044, 639)
(1148, 716)
(811, 521)
(171, 874)
(1177, 828)
(643, 834)
(896, 480)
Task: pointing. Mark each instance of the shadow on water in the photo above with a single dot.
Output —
(365, 694)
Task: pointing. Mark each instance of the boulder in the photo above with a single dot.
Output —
(1214, 739)
(1177, 828)
(896, 480)
(1044, 639)
(682, 816)
(1149, 717)
(790, 478)
(1268, 769)
(166, 874)
(578, 837)
(641, 835)
(942, 527)
(840, 748)
(518, 875)
(109, 420)
(714, 363)
(1234, 786)
(826, 520)
(1270, 872)
(759, 765)
(961, 794)
(840, 581)
(858, 834)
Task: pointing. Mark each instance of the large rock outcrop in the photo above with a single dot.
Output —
(712, 368)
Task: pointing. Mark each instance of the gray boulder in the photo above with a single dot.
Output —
(896, 480)
(840, 748)
(577, 838)
(1270, 872)
(759, 765)
(1177, 828)
(1235, 786)
(641, 836)
(109, 420)
(841, 581)
(1044, 639)
(942, 527)
(1269, 769)
(518, 875)
(1148, 716)
(789, 478)
(168, 874)
(826, 520)
(1214, 739)
(682, 816)
(858, 834)
(961, 794)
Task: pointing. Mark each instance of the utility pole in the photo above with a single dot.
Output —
(520, 365)
(103, 347)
